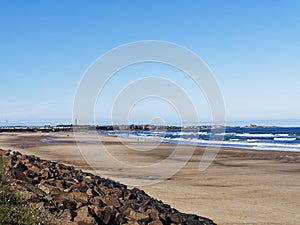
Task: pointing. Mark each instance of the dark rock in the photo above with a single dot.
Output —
(172, 218)
(35, 198)
(120, 218)
(31, 174)
(76, 197)
(97, 201)
(106, 217)
(80, 187)
(65, 217)
(21, 167)
(17, 174)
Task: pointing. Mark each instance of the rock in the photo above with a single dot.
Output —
(120, 218)
(154, 215)
(90, 192)
(17, 174)
(83, 216)
(31, 174)
(138, 216)
(45, 174)
(60, 184)
(21, 157)
(34, 189)
(80, 197)
(35, 169)
(76, 197)
(36, 180)
(132, 222)
(50, 181)
(155, 223)
(61, 195)
(80, 187)
(112, 201)
(65, 217)
(102, 215)
(97, 201)
(105, 217)
(172, 218)
(48, 188)
(65, 172)
(68, 204)
(96, 211)
(35, 198)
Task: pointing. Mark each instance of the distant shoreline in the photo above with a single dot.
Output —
(81, 128)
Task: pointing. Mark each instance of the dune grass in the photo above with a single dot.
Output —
(13, 209)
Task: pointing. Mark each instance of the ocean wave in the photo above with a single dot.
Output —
(234, 139)
(284, 139)
(277, 140)
(254, 135)
(181, 133)
(237, 144)
(225, 134)
(283, 135)
(253, 140)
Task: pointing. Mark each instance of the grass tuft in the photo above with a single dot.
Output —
(13, 209)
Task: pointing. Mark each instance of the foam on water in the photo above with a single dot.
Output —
(280, 139)
(284, 139)
(254, 135)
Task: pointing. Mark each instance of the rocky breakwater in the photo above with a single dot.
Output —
(76, 197)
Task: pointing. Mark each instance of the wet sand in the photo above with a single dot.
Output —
(240, 187)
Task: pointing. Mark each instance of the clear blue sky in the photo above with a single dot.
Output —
(252, 47)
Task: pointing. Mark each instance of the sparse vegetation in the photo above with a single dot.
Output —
(13, 209)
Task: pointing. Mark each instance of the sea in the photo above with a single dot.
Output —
(255, 138)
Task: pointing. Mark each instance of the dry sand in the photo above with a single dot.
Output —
(240, 187)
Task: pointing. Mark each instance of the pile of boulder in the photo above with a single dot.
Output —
(77, 197)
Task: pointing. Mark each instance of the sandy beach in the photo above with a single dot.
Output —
(240, 187)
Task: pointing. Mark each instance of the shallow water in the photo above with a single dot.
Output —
(268, 138)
